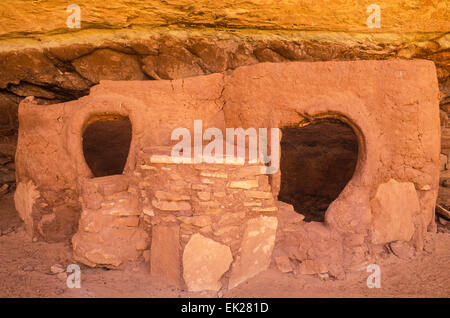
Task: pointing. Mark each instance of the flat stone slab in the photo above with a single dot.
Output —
(256, 249)
(204, 263)
(165, 258)
(393, 208)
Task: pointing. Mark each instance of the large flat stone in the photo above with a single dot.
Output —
(24, 199)
(256, 249)
(393, 208)
(171, 205)
(165, 260)
(204, 263)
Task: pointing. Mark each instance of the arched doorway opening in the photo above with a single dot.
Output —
(106, 143)
(317, 161)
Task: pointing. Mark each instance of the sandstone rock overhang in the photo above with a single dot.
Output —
(392, 106)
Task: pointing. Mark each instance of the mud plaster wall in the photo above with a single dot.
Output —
(391, 105)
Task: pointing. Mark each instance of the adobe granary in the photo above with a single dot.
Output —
(371, 126)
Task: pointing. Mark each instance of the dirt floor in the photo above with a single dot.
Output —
(25, 271)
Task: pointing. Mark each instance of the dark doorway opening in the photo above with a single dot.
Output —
(317, 161)
(106, 143)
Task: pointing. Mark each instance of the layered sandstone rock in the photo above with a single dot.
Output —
(411, 16)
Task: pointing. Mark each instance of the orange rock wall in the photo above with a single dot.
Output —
(21, 18)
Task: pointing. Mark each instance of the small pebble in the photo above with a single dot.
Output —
(4, 188)
(28, 268)
(324, 276)
(57, 268)
(443, 221)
